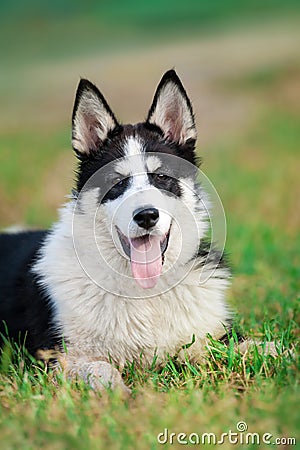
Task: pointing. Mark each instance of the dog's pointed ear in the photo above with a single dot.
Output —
(171, 110)
(92, 119)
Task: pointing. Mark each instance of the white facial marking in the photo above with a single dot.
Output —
(133, 146)
(139, 194)
(131, 163)
(153, 163)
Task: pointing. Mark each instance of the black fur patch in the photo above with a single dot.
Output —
(165, 183)
(24, 308)
(116, 190)
(210, 256)
(238, 337)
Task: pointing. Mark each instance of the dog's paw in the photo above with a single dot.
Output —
(99, 375)
(269, 348)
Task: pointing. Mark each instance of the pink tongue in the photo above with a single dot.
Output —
(146, 260)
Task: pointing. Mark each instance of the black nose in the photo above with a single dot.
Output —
(146, 218)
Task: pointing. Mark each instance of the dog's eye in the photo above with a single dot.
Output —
(119, 181)
(160, 176)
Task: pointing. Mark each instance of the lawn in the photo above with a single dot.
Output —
(251, 158)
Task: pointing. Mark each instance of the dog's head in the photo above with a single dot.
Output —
(139, 180)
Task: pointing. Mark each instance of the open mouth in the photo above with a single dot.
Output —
(146, 254)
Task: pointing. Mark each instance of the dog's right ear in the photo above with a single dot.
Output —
(92, 119)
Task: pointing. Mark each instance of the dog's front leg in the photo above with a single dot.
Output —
(97, 374)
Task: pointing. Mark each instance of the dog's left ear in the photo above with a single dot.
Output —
(92, 119)
(171, 110)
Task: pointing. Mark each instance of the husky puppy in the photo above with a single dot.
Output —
(125, 274)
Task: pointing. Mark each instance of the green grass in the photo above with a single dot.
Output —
(213, 397)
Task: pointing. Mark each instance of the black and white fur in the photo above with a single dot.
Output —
(47, 296)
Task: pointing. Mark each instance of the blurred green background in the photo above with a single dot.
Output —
(238, 60)
(240, 63)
